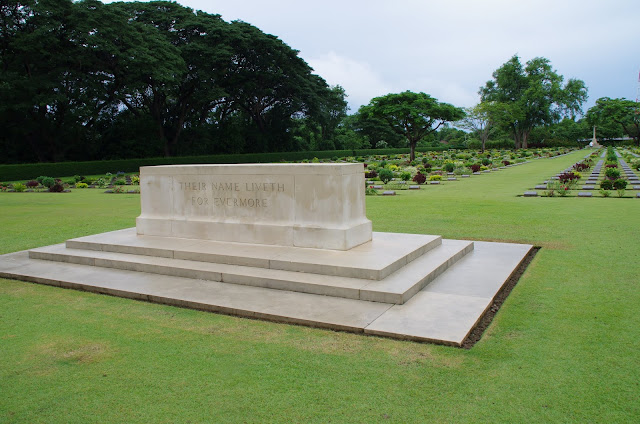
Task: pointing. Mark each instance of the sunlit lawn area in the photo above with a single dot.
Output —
(565, 346)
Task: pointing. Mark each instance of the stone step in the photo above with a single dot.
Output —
(396, 288)
(374, 260)
(445, 311)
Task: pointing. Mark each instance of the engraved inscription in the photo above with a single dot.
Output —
(229, 194)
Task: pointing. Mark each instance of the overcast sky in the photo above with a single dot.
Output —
(448, 49)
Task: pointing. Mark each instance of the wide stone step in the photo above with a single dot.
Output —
(383, 255)
(445, 311)
(395, 288)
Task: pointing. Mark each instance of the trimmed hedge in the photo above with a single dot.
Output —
(65, 169)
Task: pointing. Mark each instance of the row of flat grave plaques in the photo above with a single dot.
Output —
(591, 181)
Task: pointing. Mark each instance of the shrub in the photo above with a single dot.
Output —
(386, 175)
(405, 176)
(120, 182)
(435, 178)
(620, 184)
(606, 185)
(449, 166)
(101, 182)
(506, 162)
(19, 187)
(369, 191)
(82, 185)
(486, 161)
(56, 188)
(48, 182)
(475, 167)
(370, 174)
(420, 178)
(77, 178)
(612, 173)
(32, 184)
(567, 177)
(605, 193)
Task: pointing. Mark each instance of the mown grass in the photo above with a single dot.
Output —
(563, 348)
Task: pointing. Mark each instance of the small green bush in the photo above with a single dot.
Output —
(613, 173)
(405, 175)
(606, 185)
(48, 182)
(385, 175)
(82, 185)
(620, 184)
(435, 178)
(19, 187)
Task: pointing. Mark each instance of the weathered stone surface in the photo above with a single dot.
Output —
(389, 193)
(530, 193)
(305, 205)
(585, 194)
(443, 309)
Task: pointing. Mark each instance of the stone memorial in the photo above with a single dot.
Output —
(309, 205)
(282, 242)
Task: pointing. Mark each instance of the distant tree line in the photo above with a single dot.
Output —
(88, 81)
(84, 80)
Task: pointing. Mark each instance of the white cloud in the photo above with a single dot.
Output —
(360, 81)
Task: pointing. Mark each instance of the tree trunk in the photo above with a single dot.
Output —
(412, 150)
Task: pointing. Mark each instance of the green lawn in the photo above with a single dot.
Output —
(565, 346)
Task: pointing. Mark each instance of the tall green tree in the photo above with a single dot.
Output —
(616, 116)
(412, 115)
(480, 121)
(532, 95)
(84, 80)
(269, 83)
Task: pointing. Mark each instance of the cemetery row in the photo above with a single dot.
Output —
(382, 172)
(606, 171)
(385, 175)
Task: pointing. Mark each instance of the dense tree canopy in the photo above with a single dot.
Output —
(525, 97)
(411, 115)
(615, 117)
(85, 80)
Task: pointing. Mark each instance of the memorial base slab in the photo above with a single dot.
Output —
(405, 286)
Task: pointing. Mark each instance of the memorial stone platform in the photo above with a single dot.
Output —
(288, 243)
